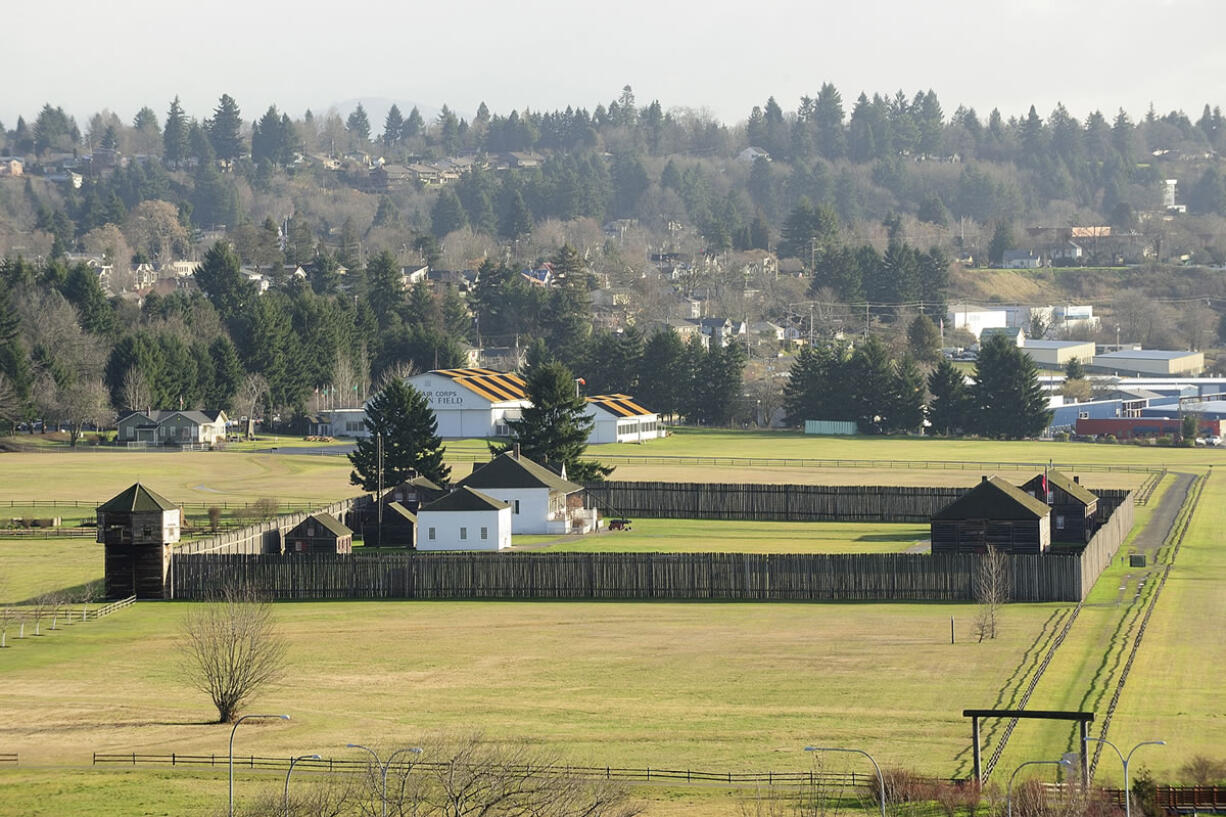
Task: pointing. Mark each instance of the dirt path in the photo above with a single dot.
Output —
(1153, 536)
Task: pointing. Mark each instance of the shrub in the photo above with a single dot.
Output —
(1203, 771)
(214, 518)
(1061, 436)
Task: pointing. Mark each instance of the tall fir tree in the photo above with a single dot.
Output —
(1008, 399)
(174, 136)
(401, 416)
(951, 399)
(553, 431)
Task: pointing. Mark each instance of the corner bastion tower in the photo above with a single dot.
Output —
(138, 527)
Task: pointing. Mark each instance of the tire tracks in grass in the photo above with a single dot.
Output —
(1012, 686)
(1167, 554)
(1127, 625)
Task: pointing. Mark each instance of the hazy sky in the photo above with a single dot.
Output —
(545, 54)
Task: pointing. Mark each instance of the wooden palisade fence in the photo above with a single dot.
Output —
(780, 503)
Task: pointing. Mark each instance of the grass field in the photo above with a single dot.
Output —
(728, 686)
(710, 536)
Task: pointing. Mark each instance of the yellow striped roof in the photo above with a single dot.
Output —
(495, 386)
(620, 404)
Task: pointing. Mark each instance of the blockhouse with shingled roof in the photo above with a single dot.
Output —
(993, 513)
(138, 527)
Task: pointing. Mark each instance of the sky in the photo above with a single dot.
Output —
(721, 56)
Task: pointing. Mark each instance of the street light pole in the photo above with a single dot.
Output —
(383, 767)
(1009, 788)
(285, 794)
(1126, 761)
(880, 779)
(230, 809)
(414, 749)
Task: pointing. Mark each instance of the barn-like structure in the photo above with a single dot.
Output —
(994, 513)
(138, 528)
(1073, 507)
(319, 533)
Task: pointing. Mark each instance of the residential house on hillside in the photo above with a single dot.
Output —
(1021, 259)
(465, 519)
(541, 500)
(156, 427)
(993, 513)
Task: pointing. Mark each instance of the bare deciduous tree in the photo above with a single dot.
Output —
(991, 591)
(232, 650)
(136, 396)
(470, 777)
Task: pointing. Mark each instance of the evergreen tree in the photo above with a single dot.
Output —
(1008, 399)
(412, 125)
(924, 339)
(554, 429)
(227, 371)
(658, 382)
(82, 290)
(905, 409)
(1074, 369)
(401, 416)
(358, 123)
(951, 399)
(220, 279)
(447, 214)
(174, 136)
(393, 126)
(808, 231)
(224, 129)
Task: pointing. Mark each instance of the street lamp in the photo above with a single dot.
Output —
(880, 779)
(1126, 761)
(285, 795)
(1009, 788)
(230, 810)
(383, 767)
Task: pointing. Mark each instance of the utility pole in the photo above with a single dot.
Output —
(379, 495)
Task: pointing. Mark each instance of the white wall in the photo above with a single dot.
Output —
(533, 516)
(460, 412)
(448, 525)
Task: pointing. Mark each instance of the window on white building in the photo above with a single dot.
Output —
(485, 533)
(463, 534)
(431, 533)
(517, 506)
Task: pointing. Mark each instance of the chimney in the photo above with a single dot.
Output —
(983, 478)
(517, 451)
(1077, 479)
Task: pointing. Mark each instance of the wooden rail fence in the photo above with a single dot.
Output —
(360, 765)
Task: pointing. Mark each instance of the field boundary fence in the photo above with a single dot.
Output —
(8, 757)
(359, 765)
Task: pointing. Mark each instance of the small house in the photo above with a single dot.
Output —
(172, 427)
(541, 500)
(319, 533)
(1073, 506)
(464, 520)
(993, 513)
(138, 528)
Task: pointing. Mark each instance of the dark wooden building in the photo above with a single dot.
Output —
(319, 533)
(138, 528)
(400, 506)
(1073, 507)
(995, 513)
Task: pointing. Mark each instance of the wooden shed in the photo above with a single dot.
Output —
(995, 513)
(399, 528)
(1073, 506)
(319, 533)
(138, 528)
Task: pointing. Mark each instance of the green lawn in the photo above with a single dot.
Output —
(667, 685)
(29, 567)
(714, 536)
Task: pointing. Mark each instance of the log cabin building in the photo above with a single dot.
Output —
(1074, 508)
(319, 533)
(994, 513)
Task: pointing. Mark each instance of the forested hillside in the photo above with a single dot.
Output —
(310, 231)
